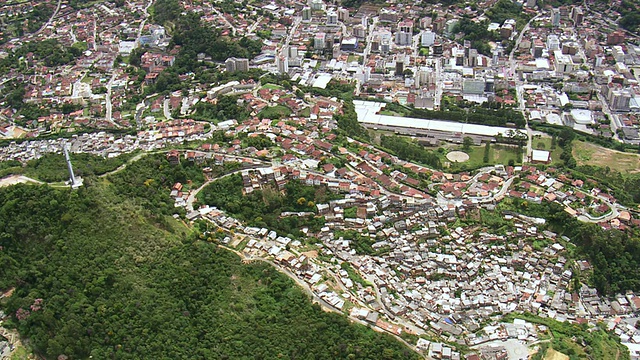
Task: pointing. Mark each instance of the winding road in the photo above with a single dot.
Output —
(146, 16)
(55, 13)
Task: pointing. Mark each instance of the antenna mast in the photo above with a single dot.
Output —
(74, 181)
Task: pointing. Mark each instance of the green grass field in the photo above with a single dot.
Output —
(498, 154)
(276, 112)
(272, 87)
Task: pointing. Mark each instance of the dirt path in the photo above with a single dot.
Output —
(17, 179)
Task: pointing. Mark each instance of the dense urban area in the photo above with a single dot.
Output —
(320, 180)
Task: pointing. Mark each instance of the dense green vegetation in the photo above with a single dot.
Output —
(195, 37)
(607, 142)
(477, 34)
(97, 276)
(224, 109)
(259, 142)
(408, 150)
(360, 243)
(53, 168)
(504, 10)
(49, 51)
(624, 187)
(348, 122)
(354, 275)
(148, 180)
(263, 207)
(566, 337)
(82, 4)
(630, 19)
(335, 88)
(615, 256)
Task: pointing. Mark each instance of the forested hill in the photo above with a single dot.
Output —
(97, 276)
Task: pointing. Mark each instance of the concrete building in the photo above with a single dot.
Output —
(375, 44)
(570, 48)
(599, 60)
(282, 63)
(385, 47)
(404, 34)
(343, 15)
(399, 65)
(563, 63)
(236, 64)
(317, 5)
(319, 41)
(332, 18)
(577, 15)
(428, 38)
(425, 76)
(425, 22)
(292, 52)
(615, 38)
(620, 99)
(553, 42)
(473, 86)
(555, 17)
(537, 48)
(506, 30)
(349, 44)
(306, 13)
(359, 31)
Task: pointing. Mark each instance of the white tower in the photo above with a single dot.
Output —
(74, 181)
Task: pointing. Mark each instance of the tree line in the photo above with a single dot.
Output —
(475, 115)
(96, 275)
(409, 151)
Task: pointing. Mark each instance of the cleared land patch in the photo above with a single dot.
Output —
(590, 154)
(457, 156)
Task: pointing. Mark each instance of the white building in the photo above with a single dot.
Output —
(306, 13)
(282, 62)
(332, 18)
(404, 35)
(564, 63)
(428, 37)
(553, 42)
(318, 41)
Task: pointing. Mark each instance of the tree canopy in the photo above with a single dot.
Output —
(97, 275)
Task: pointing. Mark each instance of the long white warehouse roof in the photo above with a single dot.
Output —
(367, 113)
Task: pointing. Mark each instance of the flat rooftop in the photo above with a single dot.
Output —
(367, 112)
